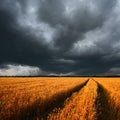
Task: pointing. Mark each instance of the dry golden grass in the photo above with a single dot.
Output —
(25, 98)
(81, 105)
(112, 88)
(59, 98)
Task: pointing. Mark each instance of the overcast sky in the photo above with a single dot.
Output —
(73, 37)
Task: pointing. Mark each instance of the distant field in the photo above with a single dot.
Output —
(59, 98)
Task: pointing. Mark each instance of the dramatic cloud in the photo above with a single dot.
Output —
(61, 36)
(19, 70)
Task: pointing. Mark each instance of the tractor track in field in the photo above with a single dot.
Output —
(104, 110)
(62, 97)
(103, 104)
(95, 107)
(49, 105)
(80, 105)
(89, 100)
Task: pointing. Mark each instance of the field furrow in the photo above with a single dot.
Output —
(81, 105)
(21, 100)
(110, 98)
(103, 107)
(48, 105)
(60, 98)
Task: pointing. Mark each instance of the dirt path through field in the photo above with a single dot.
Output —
(104, 107)
(89, 103)
(60, 99)
(63, 99)
(43, 108)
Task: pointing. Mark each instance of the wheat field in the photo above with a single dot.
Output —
(59, 98)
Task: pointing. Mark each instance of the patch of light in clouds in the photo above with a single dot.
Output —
(20, 70)
(28, 20)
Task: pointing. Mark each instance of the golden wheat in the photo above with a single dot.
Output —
(81, 106)
(21, 96)
(112, 86)
(59, 98)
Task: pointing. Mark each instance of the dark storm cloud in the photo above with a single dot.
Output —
(62, 37)
(17, 45)
(74, 18)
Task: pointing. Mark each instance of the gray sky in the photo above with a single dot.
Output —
(63, 37)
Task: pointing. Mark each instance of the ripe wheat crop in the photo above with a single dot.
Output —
(81, 106)
(59, 98)
(32, 98)
(112, 88)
